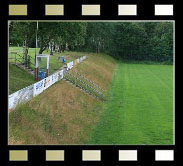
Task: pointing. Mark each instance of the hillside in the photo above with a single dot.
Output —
(63, 114)
(18, 78)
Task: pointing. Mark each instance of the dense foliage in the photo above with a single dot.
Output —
(142, 41)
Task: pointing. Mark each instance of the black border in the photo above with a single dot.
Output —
(73, 153)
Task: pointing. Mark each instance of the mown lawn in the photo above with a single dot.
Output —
(139, 109)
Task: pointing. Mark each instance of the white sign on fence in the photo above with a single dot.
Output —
(12, 100)
(70, 65)
(81, 59)
(60, 74)
(47, 82)
(54, 77)
(38, 87)
(20, 96)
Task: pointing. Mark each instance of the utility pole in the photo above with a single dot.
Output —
(36, 68)
(36, 41)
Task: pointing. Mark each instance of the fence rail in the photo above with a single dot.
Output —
(79, 82)
(88, 80)
(67, 78)
(23, 60)
(85, 83)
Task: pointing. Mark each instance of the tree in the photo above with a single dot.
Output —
(152, 41)
(46, 35)
(22, 33)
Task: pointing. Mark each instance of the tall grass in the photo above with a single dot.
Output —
(63, 114)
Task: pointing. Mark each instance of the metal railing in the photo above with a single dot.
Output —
(83, 85)
(88, 80)
(27, 61)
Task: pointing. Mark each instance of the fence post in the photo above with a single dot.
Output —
(15, 59)
(75, 81)
(28, 59)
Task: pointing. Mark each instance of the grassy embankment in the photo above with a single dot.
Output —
(18, 78)
(62, 114)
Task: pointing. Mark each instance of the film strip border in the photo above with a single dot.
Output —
(93, 10)
(87, 156)
(53, 156)
(97, 10)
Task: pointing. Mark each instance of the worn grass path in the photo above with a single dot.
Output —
(140, 107)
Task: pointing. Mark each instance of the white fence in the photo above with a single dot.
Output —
(70, 65)
(20, 96)
(38, 87)
(31, 91)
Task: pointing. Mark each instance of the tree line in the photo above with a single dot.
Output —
(141, 41)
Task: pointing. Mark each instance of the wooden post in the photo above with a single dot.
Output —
(75, 81)
(46, 72)
(15, 59)
(36, 74)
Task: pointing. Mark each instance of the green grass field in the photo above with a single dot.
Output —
(140, 107)
(18, 78)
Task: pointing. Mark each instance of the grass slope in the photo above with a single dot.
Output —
(62, 114)
(18, 78)
(140, 107)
